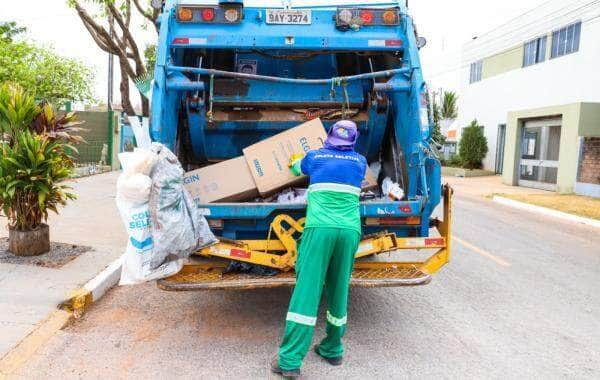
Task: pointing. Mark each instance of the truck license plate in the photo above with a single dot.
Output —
(289, 17)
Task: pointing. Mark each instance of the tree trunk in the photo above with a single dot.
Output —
(145, 106)
(124, 89)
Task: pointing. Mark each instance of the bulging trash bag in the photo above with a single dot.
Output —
(164, 226)
(392, 190)
(178, 227)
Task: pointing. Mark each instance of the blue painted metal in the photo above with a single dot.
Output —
(392, 98)
(176, 81)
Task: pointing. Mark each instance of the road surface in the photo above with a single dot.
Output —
(521, 299)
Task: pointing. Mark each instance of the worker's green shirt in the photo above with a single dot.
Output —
(333, 205)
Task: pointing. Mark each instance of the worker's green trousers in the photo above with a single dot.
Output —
(326, 256)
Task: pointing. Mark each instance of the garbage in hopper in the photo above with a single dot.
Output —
(262, 169)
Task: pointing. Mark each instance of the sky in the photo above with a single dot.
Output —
(447, 25)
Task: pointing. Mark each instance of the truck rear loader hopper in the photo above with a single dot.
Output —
(229, 75)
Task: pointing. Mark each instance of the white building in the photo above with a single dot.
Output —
(521, 79)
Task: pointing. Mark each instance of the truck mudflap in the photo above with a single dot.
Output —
(281, 253)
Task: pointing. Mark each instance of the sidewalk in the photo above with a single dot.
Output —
(486, 186)
(29, 294)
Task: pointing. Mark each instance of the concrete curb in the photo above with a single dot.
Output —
(94, 289)
(546, 211)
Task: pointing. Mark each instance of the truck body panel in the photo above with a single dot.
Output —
(221, 86)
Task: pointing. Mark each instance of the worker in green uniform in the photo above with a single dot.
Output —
(326, 255)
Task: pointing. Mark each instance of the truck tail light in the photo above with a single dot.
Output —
(185, 14)
(226, 13)
(367, 17)
(208, 14)
(352, 17)
(390, 17)
(232, 15)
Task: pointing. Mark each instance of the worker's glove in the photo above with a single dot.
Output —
(294, 164)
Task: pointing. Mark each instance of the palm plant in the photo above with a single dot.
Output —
(31, 171)
(449, 108)
(17, 110)
(35, 159)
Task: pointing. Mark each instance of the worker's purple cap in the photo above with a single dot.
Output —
(344, 133)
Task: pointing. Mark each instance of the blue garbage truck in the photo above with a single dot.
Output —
(231, 73)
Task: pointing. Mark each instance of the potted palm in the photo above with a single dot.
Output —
(33, 166)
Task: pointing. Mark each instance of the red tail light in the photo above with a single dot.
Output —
(208, 14)
(356, 17)
(367, 17)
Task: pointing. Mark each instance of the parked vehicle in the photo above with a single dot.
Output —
(230, 74)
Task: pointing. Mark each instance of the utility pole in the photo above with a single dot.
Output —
(109, 98)
(111, 65)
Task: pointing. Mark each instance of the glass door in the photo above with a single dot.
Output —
(540, 146)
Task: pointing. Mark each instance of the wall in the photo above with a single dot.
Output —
(96, 134)
(569, 147)
(511, 59)
(589, 165)
(564, 80)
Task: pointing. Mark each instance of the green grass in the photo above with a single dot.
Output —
(572, 204)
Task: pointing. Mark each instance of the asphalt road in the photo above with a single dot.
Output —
(521, 299)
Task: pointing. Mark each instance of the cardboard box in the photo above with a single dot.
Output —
(227, 181)
(370, 182)
(268, 160)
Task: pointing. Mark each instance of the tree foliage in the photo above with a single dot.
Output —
(449, 108)
(112, 31)
(9, 30)
(44, 73)
(437, 135)
(472, 146)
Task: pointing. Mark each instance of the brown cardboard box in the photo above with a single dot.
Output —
(268, 160)
(370, 182)
(227, 181)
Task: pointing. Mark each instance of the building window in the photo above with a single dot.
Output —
(535, 51)
(475, 73)
(566, 40)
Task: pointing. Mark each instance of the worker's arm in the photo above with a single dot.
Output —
(300, 164)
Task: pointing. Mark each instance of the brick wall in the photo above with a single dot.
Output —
(589, 166)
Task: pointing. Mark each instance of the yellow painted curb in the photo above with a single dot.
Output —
(78, 303)
(19, 355)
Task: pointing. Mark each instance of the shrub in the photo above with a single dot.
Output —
(35, 157)
(31, 170)
(17, 110)
(453, 162)
(473, 146)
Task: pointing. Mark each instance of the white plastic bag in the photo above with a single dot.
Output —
(178, 228)
(163, 224)
(392, 190)
(133, 193)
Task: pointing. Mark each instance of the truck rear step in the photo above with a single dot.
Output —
(211, 277)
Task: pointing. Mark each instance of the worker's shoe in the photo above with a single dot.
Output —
(288, 374)
(333, 361)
